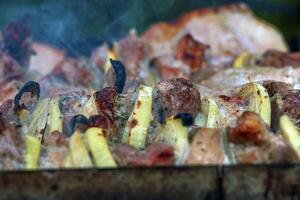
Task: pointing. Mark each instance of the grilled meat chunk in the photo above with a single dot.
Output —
(11, 145)
(10, 69)
(276, 87)
(131, 53)
(286, 102)
(154, 155)
(176, 96)
(276, 58)
(206, 147)
(191, 52)
(228, 31)
(253, 143)
(45, 58)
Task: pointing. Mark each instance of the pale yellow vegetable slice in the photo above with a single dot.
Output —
(241, 60)
(211, 112)
(290, 133)
(55, 122)
(176, 135)
(136, 129)
(259, 100)
(32, 152)
(39, 117)
(33, 135)
(78, 152)
(98, 146)
(68, 162)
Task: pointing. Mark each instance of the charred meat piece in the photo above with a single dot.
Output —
(107, 102)
(176, 96)
(275, 58)
(191, 52)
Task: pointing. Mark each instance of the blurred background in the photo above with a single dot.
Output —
(79, 26)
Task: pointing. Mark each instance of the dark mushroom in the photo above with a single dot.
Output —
(30, 86)
(186, 118)
(120, 71)
(78, 121)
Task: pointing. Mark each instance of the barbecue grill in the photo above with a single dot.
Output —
(57, 23)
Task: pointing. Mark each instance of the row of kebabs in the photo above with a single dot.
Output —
(82, 112)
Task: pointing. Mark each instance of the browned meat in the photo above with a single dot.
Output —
(11, 145)
(191, 52)
(277, 58)
(168, 68)
(81, 72)
(155, 154)
(8, 113)
(276, 87)
(249, 129)
(45, 58)
(228, 31)
(10, 69)
(287, 102)
(176, 96)
(131, 53)
(8, 90)
(206, 148)
(231, 108)
(107, 102)
(252, 143)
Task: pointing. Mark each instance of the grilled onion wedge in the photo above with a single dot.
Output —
(78, 152)
(95, 138)
(290, 133)
(34, 135)
(259, 100)
(175, 134)
(136, 129)
(212, 116)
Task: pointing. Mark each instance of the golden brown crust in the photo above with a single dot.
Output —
(249, 129)
(191, 52)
